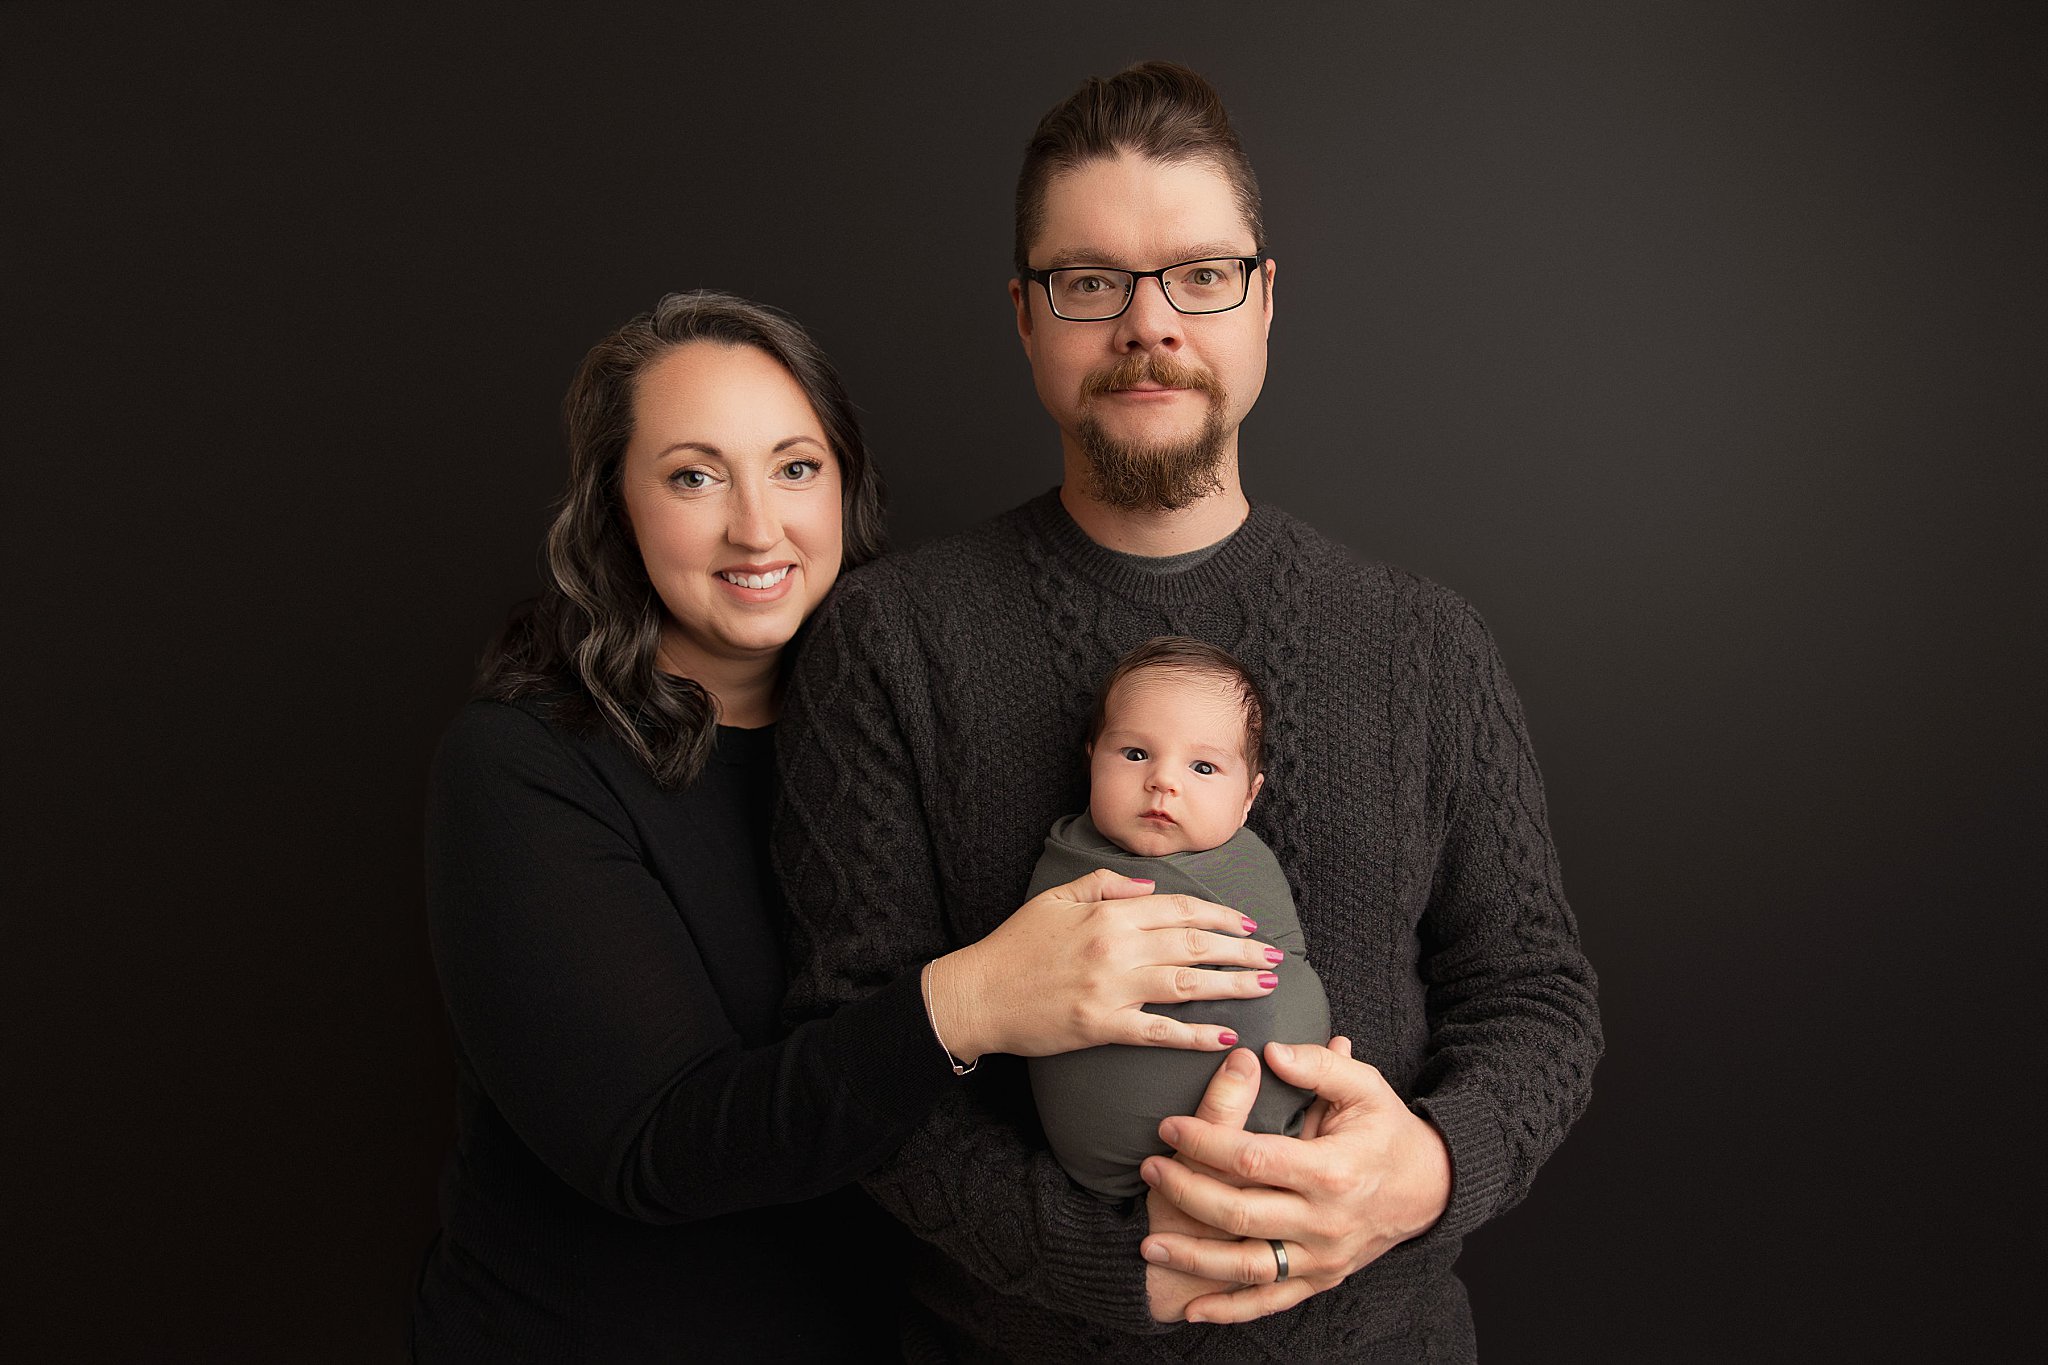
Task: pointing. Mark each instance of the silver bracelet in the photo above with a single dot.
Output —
(924, 979)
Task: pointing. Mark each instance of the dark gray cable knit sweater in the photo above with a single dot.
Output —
(928, 743)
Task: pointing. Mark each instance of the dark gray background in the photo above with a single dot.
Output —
(1701, 346)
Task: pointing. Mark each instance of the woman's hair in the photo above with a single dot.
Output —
(1179, 654)
(585, 648)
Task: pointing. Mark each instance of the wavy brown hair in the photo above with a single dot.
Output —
(584, 650)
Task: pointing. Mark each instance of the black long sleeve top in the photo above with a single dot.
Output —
(646, 1165)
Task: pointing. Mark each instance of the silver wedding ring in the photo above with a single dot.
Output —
(1279, 1258)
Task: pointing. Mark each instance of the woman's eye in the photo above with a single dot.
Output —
(1204, 767)
(802, 471)
(691, 479)
(1134, 754)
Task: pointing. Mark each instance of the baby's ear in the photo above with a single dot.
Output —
(1258, 781)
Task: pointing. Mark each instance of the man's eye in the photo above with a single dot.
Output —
(1134, 754)
(1087, 284)
(1204, 767)
(1206, 275)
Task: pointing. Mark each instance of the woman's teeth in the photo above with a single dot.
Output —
(757, 580)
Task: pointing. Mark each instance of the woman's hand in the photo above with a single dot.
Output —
(1374, 1175)
(1075, 966)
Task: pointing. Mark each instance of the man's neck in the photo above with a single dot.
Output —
(1153, 531)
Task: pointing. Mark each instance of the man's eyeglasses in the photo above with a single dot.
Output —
(1097, 293)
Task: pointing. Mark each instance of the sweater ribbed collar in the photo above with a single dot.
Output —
(1242, 552)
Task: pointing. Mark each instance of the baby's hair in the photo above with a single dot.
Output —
(1179, 654)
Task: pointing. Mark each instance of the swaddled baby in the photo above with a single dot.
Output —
(1174, 765)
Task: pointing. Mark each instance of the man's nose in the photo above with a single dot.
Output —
(1150, 322)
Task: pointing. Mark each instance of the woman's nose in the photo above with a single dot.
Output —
(752, 524)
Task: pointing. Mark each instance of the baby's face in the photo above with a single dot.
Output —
(1168, 772)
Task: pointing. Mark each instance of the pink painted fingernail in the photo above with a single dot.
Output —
(1268, 980)
(1229, 1038)
(1251, 926)
(1274, 955)
(1147, 880)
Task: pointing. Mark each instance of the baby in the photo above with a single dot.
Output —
(1174, 764)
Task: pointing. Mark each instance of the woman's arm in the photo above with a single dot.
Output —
(579, 997)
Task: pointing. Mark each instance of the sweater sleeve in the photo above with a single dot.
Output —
(854, 850)
(1514, 1023)
(581, 1003)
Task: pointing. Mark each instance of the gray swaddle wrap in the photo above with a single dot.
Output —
(1101, 1107)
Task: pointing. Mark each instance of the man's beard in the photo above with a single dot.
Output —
(1131, 477)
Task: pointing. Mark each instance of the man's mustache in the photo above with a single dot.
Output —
(1143, 368)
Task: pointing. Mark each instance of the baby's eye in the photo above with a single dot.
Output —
(1204, 767)
(1133, 753)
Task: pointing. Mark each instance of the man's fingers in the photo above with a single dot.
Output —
(1246, 1261)
(1262, 1158)
(1334, 1076)
(1232, 1090)
(1255, 1301)
(1254, 1212)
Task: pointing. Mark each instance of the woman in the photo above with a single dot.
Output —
(646, 1166)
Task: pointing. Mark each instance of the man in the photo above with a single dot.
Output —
(933, 732)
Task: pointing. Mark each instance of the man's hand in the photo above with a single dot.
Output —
(1373, 1176)
(1225, 1104)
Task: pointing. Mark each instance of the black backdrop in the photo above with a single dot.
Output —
(1701, 346)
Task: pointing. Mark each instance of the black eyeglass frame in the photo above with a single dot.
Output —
(1043, 278)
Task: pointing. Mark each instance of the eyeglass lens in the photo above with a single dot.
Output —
(1087, 293)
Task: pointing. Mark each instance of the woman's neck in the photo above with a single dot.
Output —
(748, 691)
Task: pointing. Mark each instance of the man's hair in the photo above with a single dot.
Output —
(1156, 109)
(1191, 658)
(585, 648)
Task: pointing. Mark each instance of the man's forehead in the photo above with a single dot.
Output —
(1140, 212)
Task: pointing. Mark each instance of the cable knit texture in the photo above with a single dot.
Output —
(932, 733)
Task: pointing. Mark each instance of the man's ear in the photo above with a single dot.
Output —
(1021, 301)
